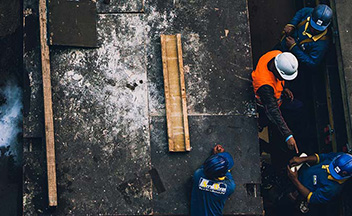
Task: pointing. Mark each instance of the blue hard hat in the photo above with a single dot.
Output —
(216, 166)
(340, 164)
(321, 17)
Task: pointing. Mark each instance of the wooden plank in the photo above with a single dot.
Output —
(183, 93)
(175, 94)
(48, 111)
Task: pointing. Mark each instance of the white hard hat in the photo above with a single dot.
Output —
(286, 64)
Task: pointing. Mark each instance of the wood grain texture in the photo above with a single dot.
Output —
(183, 93)
(48, 111)
(175, 93)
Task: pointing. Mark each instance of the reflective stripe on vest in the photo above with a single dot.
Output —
(262, 76)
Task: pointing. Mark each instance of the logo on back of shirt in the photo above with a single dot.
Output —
(215, 187)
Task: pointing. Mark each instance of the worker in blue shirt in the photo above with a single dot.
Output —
(212, 184)
(322, 182)
(306, 35)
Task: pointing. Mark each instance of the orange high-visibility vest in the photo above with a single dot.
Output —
(262, 76)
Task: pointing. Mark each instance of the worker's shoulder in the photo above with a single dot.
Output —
(326, 158)
(306, 11)
(273, 53)
(198, 173)
(231, 185)
(264, 59)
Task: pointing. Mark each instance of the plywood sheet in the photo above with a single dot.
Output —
(73, 23)
(175, 93)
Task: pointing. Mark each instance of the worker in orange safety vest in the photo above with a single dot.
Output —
(269, 77)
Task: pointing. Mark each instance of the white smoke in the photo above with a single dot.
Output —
(11, 117)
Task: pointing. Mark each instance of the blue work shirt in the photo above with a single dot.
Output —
(209, 196)
(318, 180)
(310, 53)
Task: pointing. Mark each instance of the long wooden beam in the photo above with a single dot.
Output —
(48, 110)
(175, 93)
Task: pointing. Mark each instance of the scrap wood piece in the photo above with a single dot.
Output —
(48, 110)
(264, 134)
(175, 93)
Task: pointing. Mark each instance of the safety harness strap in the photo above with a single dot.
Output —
(308, 40)
(302, 23)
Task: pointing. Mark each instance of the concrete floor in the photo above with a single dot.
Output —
(109, 108)
(109, 111)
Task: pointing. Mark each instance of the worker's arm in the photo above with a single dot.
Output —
(295, 161)
(231, 184)
(323, 193)
(293, 176)
(300, 15)
(266, 94)
(313, 56)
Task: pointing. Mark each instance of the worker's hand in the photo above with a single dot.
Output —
(288, 30)
(218, 149)
(292, 175)
(290, 41)
(295, 161)
(288, 93)
(291, 144)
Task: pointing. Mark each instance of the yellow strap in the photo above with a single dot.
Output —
(309, 196)
(332, 178)
(314, 37)
(318, 158)
(302, 23)
(311, 38)
(308, 40)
